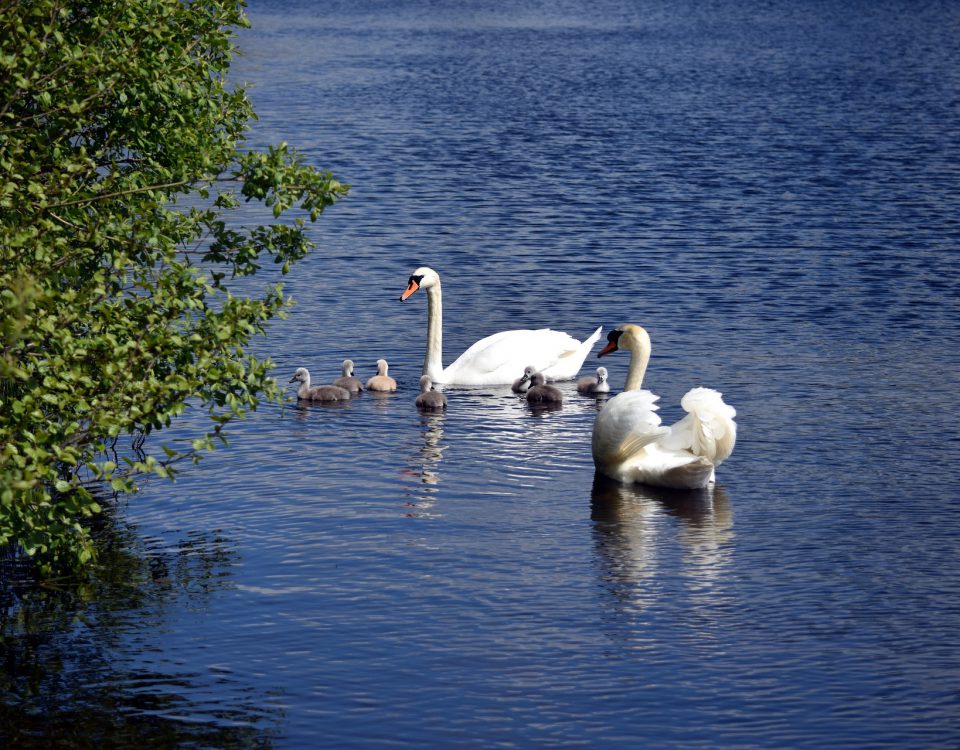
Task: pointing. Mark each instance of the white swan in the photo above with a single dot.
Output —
(630, 445)
(497, 359)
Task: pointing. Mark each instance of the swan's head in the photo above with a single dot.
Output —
(537, 379)
(347, 368)
(423, 278)
(628, 336)
(601, 375)
(300, 376)
(382, 366)
(425, 383)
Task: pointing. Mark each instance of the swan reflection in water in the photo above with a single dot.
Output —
(425, 465)
(636, 529)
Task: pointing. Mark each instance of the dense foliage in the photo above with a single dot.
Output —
(115, 310)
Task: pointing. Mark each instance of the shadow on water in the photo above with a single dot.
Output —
(635, 528)
(60, 683)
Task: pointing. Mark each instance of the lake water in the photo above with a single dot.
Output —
(773, 190)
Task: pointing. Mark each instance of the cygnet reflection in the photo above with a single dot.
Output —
(425, 465)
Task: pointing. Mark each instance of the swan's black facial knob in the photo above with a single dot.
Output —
(612, 340)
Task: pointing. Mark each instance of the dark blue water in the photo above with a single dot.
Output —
(772, 189)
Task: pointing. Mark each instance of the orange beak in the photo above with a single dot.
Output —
(411, 288)
(608, 349)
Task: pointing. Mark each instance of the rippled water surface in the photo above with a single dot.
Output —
(773, 190)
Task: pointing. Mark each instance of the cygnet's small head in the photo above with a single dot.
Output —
(628, 336)
(423, 278)
(601, 375)
(382, 367)
(425, 383)
(301, 375)
(528, 372)
(537, 379)
(347, 368)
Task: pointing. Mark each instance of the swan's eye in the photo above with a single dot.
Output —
(415, 280)
(614, 336)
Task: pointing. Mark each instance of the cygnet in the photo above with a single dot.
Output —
(521, 384)
(346, 379)
(429, 399)
(591, 384)
(317, 393)
(542, 393)
(381, 381)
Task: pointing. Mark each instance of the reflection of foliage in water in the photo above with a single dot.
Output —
(60, 683)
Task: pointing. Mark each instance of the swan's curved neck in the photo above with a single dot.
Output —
(433, 359)
(639, 359)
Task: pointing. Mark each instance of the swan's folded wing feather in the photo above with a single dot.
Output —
(625, 426)
(506, 353)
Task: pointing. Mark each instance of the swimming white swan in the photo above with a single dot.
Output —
(497, 359)
(630, 445)
(317, 393)
(381, 381)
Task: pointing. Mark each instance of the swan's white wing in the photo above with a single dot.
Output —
(500, 358)
(625, 425)
(708, 430)
(628, 445)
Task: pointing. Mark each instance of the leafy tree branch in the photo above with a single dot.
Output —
(116, 307)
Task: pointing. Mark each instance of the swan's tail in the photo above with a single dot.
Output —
(588, 343)
(708, 430)
(569, 363)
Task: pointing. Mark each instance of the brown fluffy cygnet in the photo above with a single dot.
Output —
(542, 393)
(317, 393)
(346, 379)
(381, 381)
(591, 384)
(521, 384)
(430, 399)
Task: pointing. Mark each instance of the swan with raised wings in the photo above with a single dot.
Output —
(629, 443)
(496, 359)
